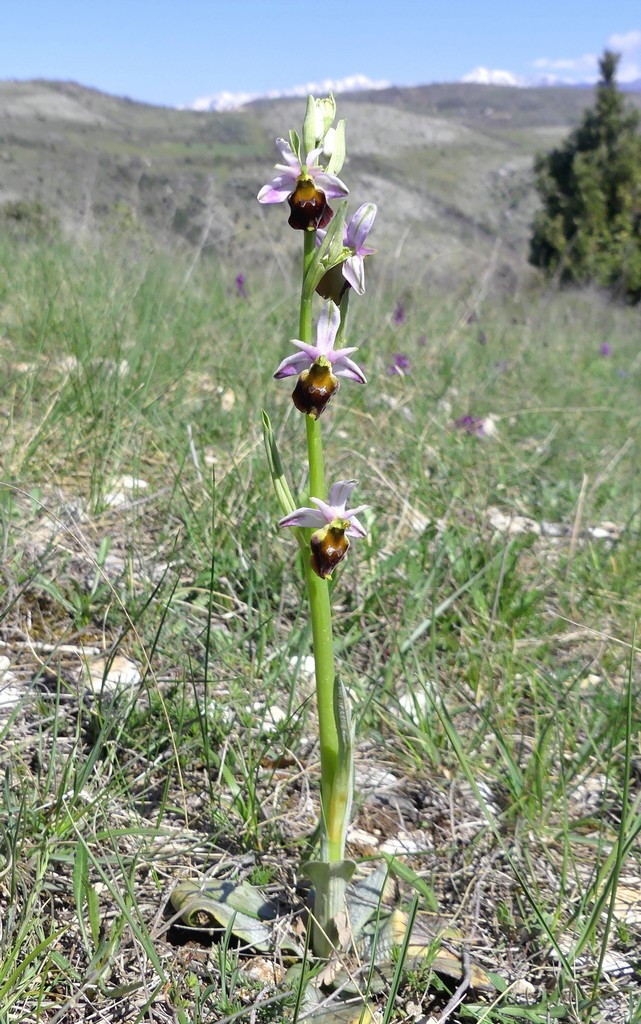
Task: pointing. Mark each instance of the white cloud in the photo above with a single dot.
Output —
(626, 42)
(585, 67)
(588, 62)
(233, 100)
(492, 76)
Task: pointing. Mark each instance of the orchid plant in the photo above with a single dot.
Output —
(324, 525)
(334, 251)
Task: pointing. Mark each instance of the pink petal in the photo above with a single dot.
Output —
(328, 324)
(328, 512)
(303, 517)
(360, 225)
(332, 186)
(340, 491)
(350, 513)
(277, 190)
(311, 350)
(354, 273)
(292, 365)
(338, 353)
(356, 528)
(288, 155)
(312, 158)
(345, 367)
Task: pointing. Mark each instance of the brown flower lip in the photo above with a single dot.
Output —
(309, 208)
(314, 389)
(329, 547)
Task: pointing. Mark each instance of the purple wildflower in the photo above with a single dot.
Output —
(240, 286)
(399, 315)
(400, 365)
(605, 349)
(470, 424)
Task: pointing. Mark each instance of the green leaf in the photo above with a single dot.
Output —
(281, 487)
(294, 141)
(402, 871)
(364, 897)
(330, 252)
(357, 1011)
(85, 894)
(218, 904)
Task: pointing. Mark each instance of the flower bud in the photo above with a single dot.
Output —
(325, 114)
(309, 208)
(329, 546)
(329, 143)
(315, 387)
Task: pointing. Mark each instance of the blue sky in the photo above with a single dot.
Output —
(173, 52)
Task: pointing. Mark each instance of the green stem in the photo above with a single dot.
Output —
(321, 615)
(315, 457)
(317, 589)
(305, 322)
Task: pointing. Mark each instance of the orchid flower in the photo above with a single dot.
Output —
(319, 366)
(293, 171)
(327, 512)
(335, 524)
(338, 359)
(354, 235)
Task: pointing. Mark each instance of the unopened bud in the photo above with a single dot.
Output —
(325, 114)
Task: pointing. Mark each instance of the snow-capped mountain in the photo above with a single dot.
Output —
(232, 100)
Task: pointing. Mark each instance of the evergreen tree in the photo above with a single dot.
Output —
(590, 226)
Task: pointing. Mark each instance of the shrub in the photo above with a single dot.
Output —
(590, 226)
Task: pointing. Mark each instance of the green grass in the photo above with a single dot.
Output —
(517, 753)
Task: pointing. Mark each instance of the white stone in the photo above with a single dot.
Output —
(124, 488)
(605, 531)
(415, 704)
(511, 524)
(305, 666)
(489, 426)
(9, 695)
(407, 842)
(228, 400)
(523, 990)
(132, 483)
(107, 675)
(616, 964)
(357, 837)
(270, 718)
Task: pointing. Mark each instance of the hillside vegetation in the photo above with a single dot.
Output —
(449, 165)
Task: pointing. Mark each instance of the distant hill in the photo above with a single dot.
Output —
(450, 167)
